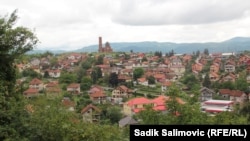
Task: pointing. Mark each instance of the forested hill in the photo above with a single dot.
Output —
(232, 45)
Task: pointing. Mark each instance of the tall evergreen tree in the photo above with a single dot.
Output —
(113, 79)
(206, 81)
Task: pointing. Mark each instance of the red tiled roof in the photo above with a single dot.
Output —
(160, 108)
(159, 102)
(73, 85)
(35, 81)
(140, 100)
(90, 106)
(137, 110)
(224, 91)
(97, 94)
(142, 79)
(235, 93)
(167, 83)
(31, 91)
(67, 102)
(52, 84)
(159, 76)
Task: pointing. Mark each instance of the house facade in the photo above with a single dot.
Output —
(206, 94)
(121, 92)
(91, 113)
(74, 88)
(36, 84)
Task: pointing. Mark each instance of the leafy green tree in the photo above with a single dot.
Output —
(47, 54)
(14, 42)
(67, 78)
(53, 61)
(138, 72)
(229, 118)
(158, 53)
(172, 104)
(99, 60)
(94, 77)
(113, 114)
(197, 53)
(206, 81)
(228, 85)
(113, 79)
(46, 74)
(190, 80)
(191, 114)
(30, 73)
(241, 84)
(86, 83)
(206, 52)
(149, 116)
(151, 79)
(144, 59)
(80, 72)
(86, 65)
(98, 72)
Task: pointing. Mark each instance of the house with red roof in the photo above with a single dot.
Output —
(230, 77)
(54, 73)
(197, 67)
(68, 103)
(186, 58)
(121, 92)
(74, 88)
(213, 76)
(52, 89)
(165, 85)
(214, 68)
(160, 77)
(31, 92)
(91, 113)
(95, 88)
(124, 78)
(74, 56)
(138, 104)
(234, 95)
(229, 66)
(142, 81)
(98, 97)
(36, 84)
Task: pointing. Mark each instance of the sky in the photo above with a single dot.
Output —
(74, 24)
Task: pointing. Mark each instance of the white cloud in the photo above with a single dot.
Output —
(74, 24)
(151, 12)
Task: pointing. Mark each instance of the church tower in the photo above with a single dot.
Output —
(107, 48)
(100, 44)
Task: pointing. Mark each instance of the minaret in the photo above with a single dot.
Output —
(100, 44)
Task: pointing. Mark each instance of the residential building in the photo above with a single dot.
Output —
(74, 88)
(91, 113)
(206, 94)
(121, 92)
(36, 84)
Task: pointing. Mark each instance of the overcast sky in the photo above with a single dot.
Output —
(73, 24)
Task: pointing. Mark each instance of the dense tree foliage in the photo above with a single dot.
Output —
(46, 119)
(14, 42)
(206, 82)
(113, 79)
(31, 73)
(137, 73)
(151, 79)
(67, 78)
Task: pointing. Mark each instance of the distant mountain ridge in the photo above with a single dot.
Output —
(232, 45)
